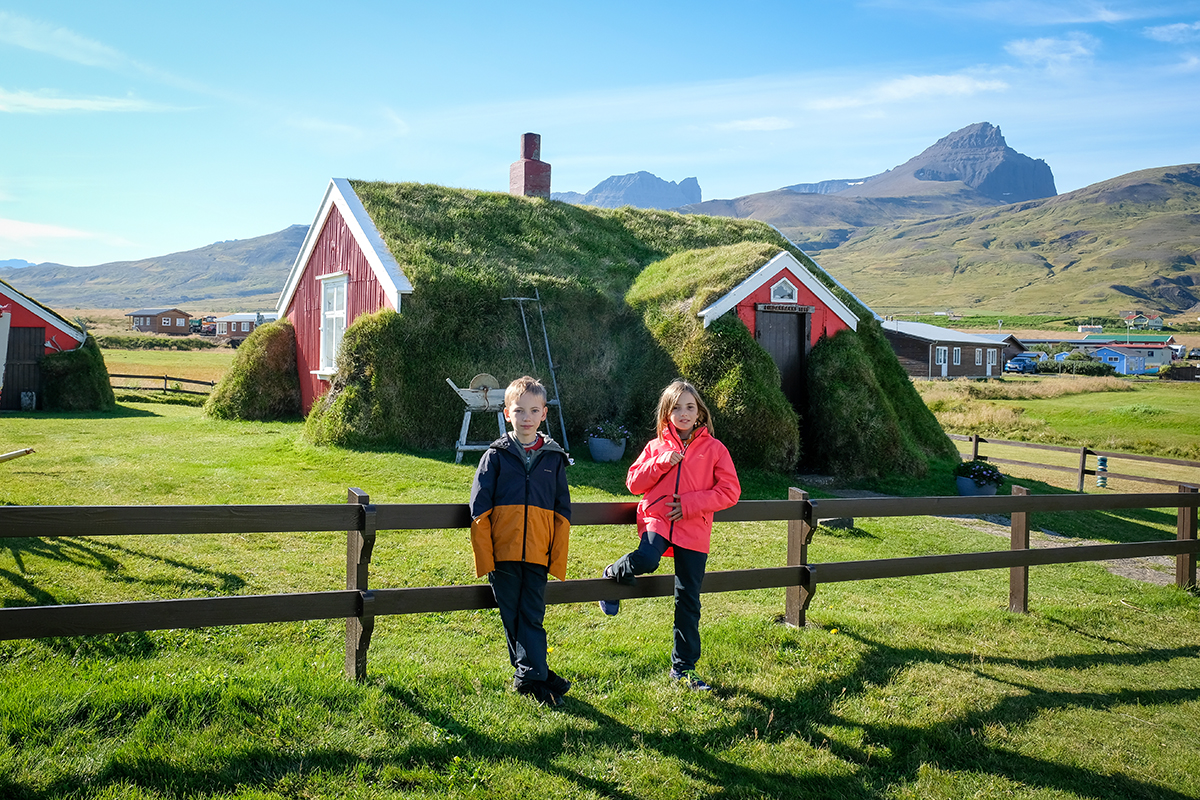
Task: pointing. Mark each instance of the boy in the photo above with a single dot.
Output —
(520, 523)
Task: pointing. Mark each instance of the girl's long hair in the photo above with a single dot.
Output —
(670, 397)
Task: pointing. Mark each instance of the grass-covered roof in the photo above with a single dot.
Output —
(620, 290)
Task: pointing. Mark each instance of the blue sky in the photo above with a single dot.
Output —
(136, 129)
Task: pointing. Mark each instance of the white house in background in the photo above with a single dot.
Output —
(236, 327)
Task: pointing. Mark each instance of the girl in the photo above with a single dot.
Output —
(684, 475)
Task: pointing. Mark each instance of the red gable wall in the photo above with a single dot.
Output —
(23, 318)
(824, 321)
(336, 251)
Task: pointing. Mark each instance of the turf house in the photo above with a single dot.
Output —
(399, 286)
(45, 361)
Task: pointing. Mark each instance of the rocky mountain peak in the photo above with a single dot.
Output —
(638, 189)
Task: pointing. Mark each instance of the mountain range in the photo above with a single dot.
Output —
(971, 168)
(235, 275)
(968, 224)
(638, 189)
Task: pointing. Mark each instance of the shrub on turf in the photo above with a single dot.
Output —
(76, 380)
(262, 382)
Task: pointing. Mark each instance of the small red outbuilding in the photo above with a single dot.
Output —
(28, 331)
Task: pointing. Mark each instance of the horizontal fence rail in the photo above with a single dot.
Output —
(166, 381)
(359, 605)
(1082, 470)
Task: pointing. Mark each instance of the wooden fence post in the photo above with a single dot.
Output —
(1083, 454)
(800, 532)
(1018, 577)
(974, 446)
(1185, 529)
(359, 545)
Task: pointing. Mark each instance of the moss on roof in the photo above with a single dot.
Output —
(45, 308)
(620, 289)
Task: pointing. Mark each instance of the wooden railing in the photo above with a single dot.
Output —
(1083, 469)
(358, 604)
(167, 380)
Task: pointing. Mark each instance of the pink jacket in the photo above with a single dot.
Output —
(705, 481)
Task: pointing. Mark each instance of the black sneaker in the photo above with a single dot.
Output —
(557, 684)
(690, 679)
(543, 694)
(609, 607)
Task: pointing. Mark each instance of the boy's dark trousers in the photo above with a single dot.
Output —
(520, 592)
(689, 577)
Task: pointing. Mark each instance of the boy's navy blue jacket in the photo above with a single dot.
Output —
(519, 515)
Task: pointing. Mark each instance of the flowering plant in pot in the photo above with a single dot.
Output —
(606, 440)
(979, 472)
(607, 429)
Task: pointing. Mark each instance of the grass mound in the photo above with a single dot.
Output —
(76, 380)
(620, 289)
(262, 383)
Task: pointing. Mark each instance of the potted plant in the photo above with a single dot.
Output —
(606, 440)
(977, 477)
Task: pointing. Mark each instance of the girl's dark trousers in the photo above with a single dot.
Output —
(520, 591)
(689, 577)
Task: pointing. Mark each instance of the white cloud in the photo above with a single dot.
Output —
(1179, 33)
(44, 102)
(757, 124)
(1031, 13)
(1189, 64)
(910, 87)
(1054, 53)
(27, 232)
(58, 42)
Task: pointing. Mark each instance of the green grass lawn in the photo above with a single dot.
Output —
(921, 687)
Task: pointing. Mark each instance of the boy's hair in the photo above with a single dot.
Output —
(670, 397)
(524, 385)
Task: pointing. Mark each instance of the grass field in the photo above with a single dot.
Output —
(905, 688)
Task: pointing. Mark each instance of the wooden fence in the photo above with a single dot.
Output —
(359, 604)
(1083, 469)
(167, 380)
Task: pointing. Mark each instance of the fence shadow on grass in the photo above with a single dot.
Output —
(106, 556)
(892, 755)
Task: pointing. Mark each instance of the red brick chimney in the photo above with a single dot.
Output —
(530, 176)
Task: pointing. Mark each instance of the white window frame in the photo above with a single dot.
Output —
(991, 357)
(939, 354)
(245, 327)
(166, 322)
(979, 356)
(179, 323)
(333, 320)
(957, 356)
(784, 291)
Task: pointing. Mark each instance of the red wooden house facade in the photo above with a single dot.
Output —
(343, 270)
(28, 331)
(788, 310)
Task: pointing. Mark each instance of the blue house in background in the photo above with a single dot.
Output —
(1134, 360)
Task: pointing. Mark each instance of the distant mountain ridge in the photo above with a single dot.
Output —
(252, 270)
(638, 189)
(1131, 241)
(972, 167)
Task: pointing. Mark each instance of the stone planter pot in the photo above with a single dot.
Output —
(606, 449)
(969, 488)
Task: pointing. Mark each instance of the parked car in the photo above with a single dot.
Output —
(1020, 365)
(1193, 353)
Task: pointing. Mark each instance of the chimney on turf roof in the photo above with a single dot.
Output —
(529, 176)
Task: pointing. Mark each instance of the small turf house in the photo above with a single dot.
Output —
(29, 331)
(343, 270)
(399, 286)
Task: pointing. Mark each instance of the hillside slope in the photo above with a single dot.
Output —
(241, 268)
(1132, 241)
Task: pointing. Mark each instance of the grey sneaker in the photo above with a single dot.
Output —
(609, 607)
(690, 679)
